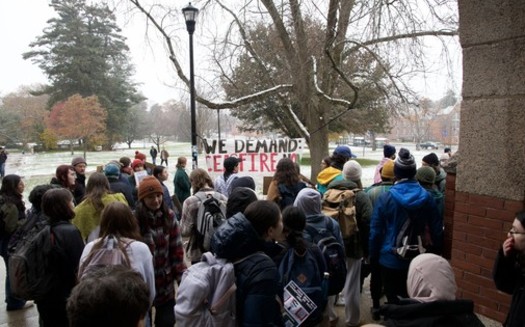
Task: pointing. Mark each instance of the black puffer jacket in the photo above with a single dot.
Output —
(456, 313)
(256, 275)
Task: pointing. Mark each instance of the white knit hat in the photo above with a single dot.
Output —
(352, 170)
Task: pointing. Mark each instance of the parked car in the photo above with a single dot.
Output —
(428, 145)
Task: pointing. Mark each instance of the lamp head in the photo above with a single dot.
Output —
(190, 15)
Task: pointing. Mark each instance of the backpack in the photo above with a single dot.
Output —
(211, 214)
(23, 234)
(340, 205)
(304, 271)
(409, 241)
(333, 253)
(206, 294)
(111, 253)
(289, 193)
(34, 268)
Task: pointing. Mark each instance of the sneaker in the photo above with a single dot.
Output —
(375, 313)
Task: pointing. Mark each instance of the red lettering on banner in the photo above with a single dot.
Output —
(217, 163)
(273, 161)
(252, 160)
(262, 162)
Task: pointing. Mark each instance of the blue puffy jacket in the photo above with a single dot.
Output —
(390, 212)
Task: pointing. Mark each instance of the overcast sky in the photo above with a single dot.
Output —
(21, 21)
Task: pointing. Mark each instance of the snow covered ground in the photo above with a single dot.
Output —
(39, 168)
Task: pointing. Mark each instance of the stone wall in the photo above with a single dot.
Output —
(490, 180)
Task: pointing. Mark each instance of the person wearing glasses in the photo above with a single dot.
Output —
(509, 269)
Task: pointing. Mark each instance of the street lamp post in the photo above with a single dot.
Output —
(190, 15)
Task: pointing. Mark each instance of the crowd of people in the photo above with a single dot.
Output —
(129, 204)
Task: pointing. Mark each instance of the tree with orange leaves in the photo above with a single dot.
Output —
(79, 118)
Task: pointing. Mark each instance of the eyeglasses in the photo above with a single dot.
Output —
(513, 232)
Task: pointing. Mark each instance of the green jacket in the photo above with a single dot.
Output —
(86, 216)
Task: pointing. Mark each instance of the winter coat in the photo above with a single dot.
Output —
(377, 172)
(391, 211)
(224, 185)
(442, 313)
(256, 275)
(117, 186)
(509, 277)
(326, 176)
(161, 233)
(356, 246)
(87, 218)
(80, 188)
(182, 185)
(440, 180)
(69, 239)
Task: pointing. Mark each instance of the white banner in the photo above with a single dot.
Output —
(257, 156)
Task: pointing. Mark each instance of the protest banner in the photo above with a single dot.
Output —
(257, 155)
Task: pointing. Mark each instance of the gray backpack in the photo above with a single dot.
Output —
(206, 294)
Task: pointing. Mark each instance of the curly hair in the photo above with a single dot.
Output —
(286, 172)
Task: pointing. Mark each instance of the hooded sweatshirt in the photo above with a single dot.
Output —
(326, 176)
(430, 278)
(309, 201)
(390, 213)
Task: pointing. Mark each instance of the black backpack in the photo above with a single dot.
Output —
(409, 240)
(333, 253)
(210, 215)
(289, 193)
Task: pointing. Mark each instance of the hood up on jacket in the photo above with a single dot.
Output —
(430, 278)
(309, 201)
(326, 175)
(409, 194)
(236, 238)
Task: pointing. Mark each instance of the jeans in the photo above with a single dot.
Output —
(165, 314)
(2, 169)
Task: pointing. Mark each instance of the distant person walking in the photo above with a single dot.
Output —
(181, 182)
(3, 159)
(164, 155)
(79, 163)
(153, 153)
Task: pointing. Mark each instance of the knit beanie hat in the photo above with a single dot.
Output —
(239, 199)
(309, 201)
(352, 170)
(431, 278)
(431, 159)
(137, 162)
(388, 150)
(149, 185)
(426, 175)
(112, 171)
(78, 160)
(405, 165)
(387, 171)
(243, 181)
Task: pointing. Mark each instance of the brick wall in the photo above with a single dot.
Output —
(475, 228)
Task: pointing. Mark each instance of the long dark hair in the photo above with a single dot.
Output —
(286, 172)
(97, 186)
(9, 191)
(294, 222)
(56, 205)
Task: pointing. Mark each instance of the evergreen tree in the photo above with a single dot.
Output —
(82, 52)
